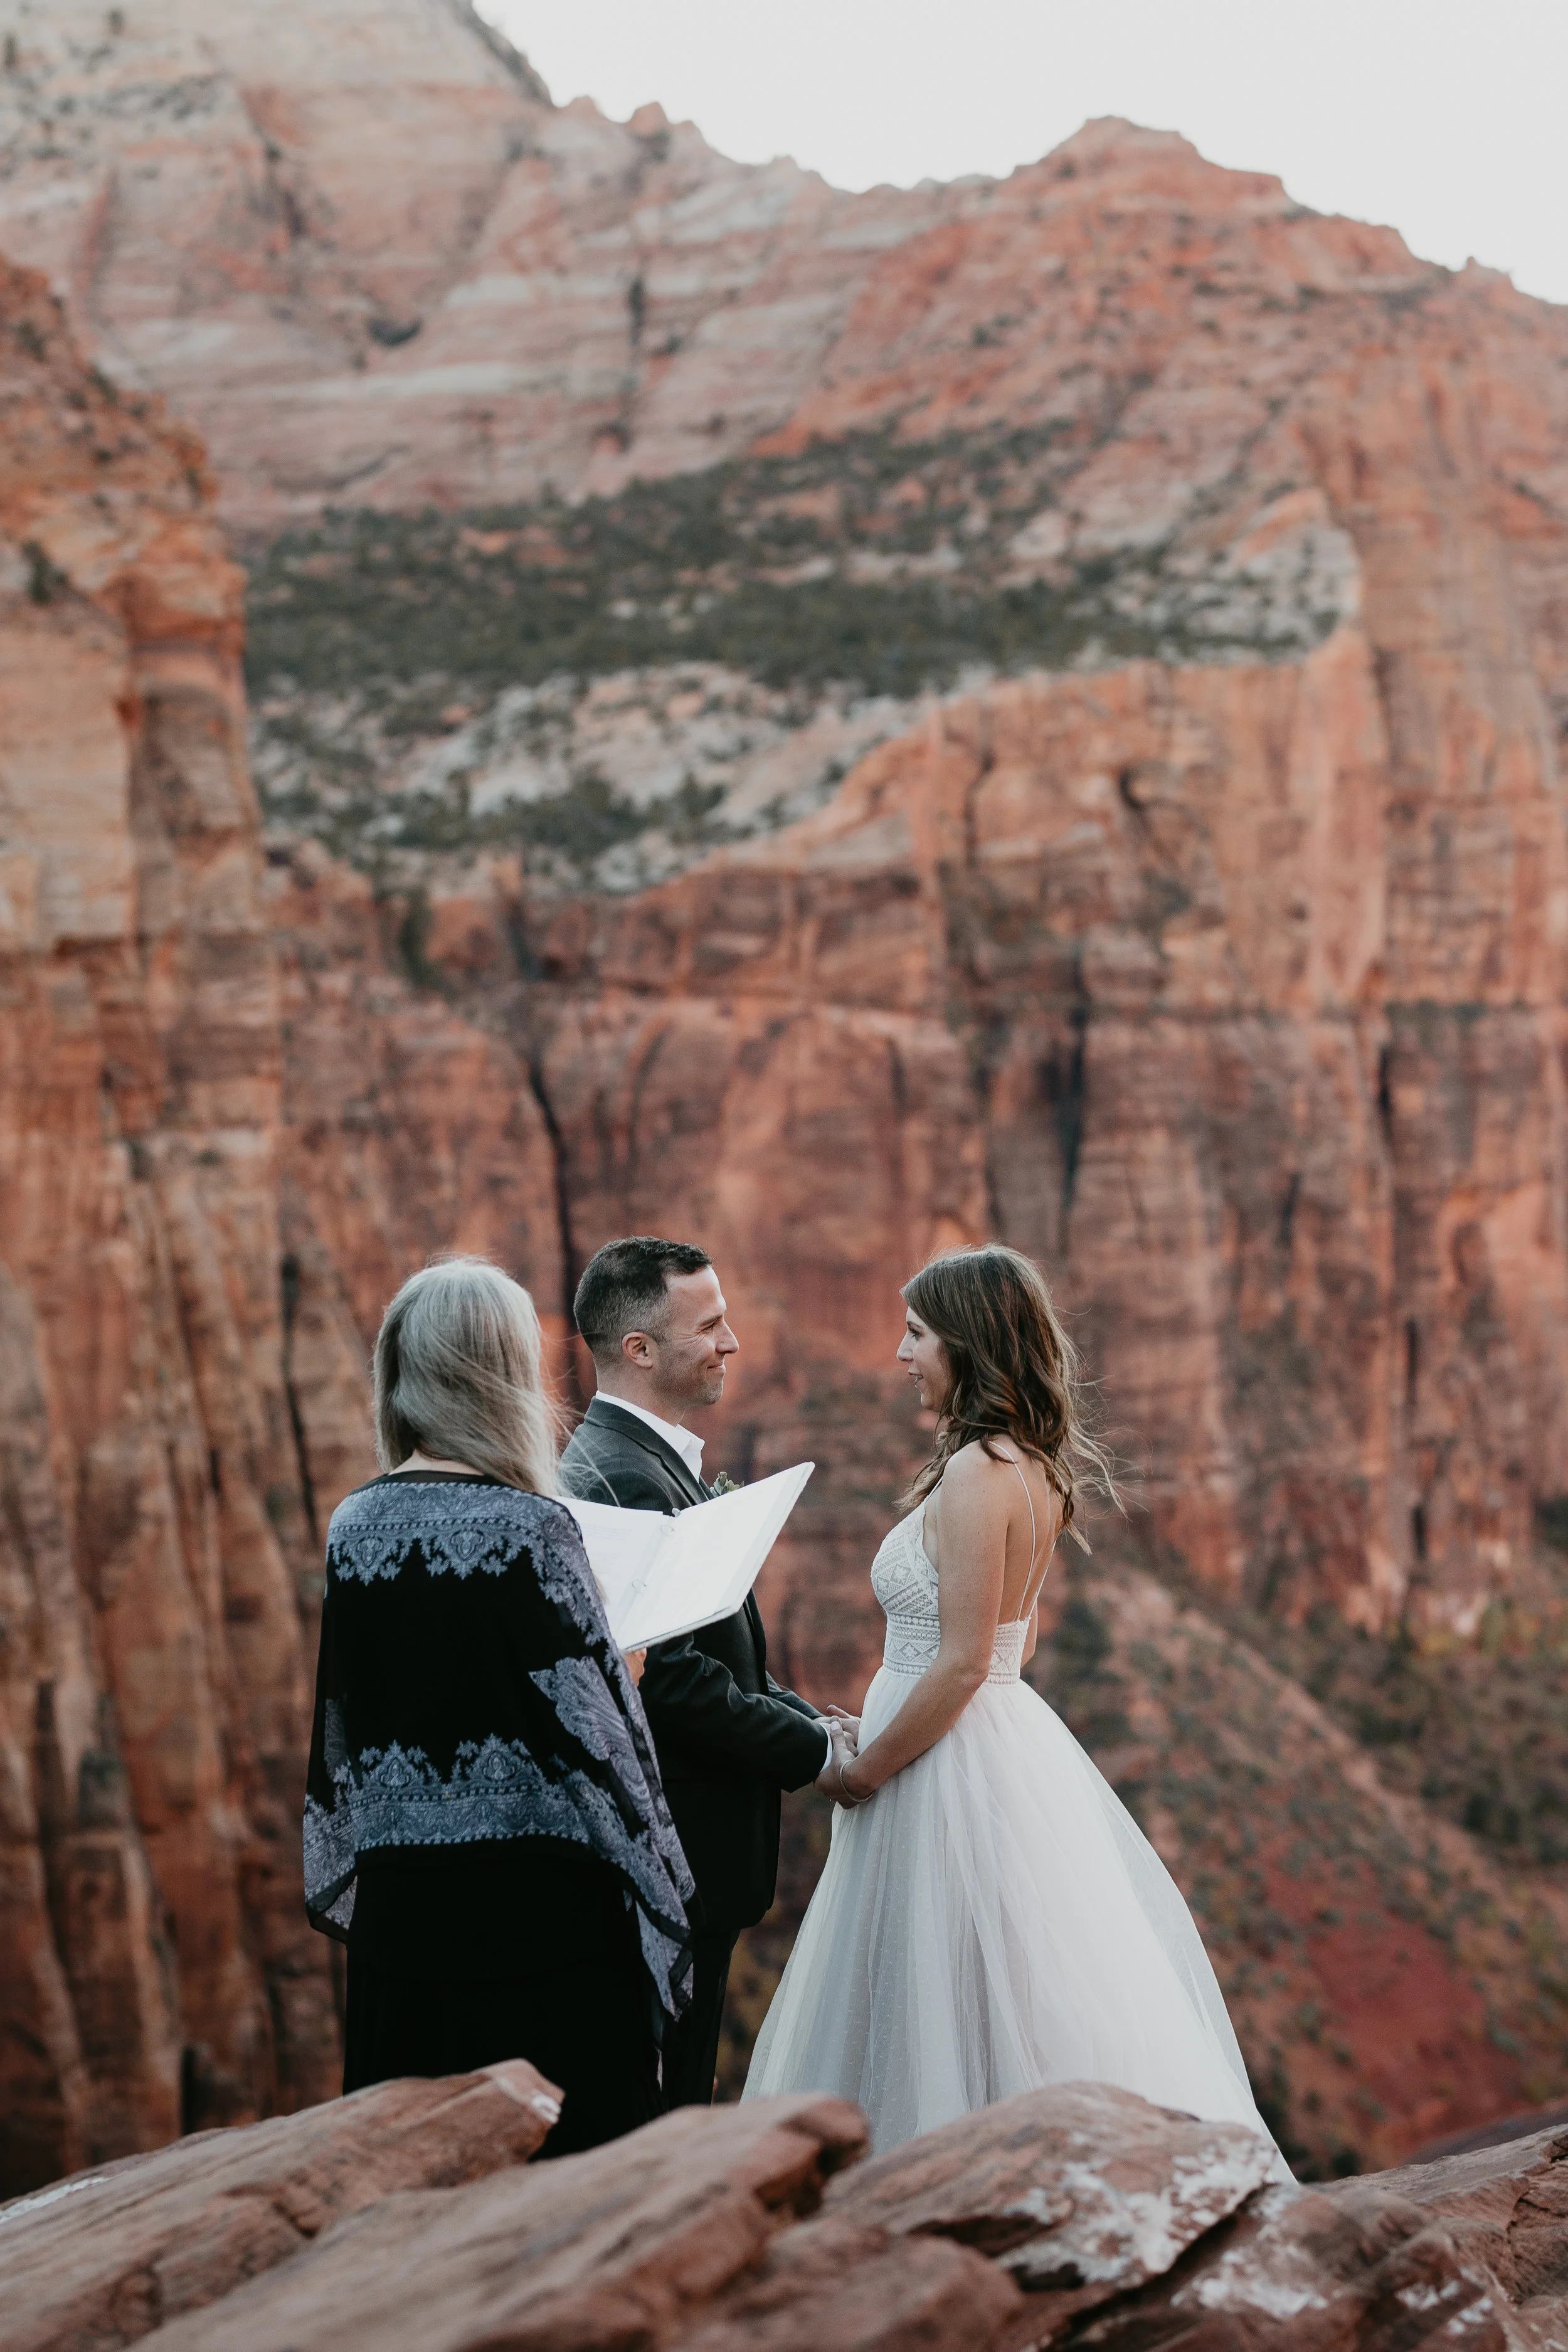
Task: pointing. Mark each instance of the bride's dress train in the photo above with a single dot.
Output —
(992, 1919)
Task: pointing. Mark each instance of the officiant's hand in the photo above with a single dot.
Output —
(636, 1661)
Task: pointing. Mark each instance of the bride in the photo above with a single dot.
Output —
(990, 1918)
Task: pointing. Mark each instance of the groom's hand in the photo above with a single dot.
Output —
(841, 1754)
(848, 1724)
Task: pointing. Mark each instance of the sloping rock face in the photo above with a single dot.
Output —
(1075, 2216)
(228, 202)
(1384, 1973)
(155, 1552)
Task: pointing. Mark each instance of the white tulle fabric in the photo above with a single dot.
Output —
(992, 1920)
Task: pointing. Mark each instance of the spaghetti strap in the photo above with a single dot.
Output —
(1033, 1543)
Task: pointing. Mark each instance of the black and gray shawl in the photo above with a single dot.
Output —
(468, 1687)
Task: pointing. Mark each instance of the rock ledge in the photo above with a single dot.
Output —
(408, 2219)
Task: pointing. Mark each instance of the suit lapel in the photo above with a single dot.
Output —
(604, 1411)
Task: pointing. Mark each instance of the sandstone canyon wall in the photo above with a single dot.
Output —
(1031, 708)
(1223, 965)
(155, 1557)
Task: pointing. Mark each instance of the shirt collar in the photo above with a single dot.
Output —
(689, 1448)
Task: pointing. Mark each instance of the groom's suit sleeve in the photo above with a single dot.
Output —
(697, 1711)
(793, 1699)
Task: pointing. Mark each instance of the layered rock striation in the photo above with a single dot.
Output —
(228, 204)
(549, 298)
(157, 1558)
(1128, 970)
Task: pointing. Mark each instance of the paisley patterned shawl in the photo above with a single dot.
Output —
(469, 1689)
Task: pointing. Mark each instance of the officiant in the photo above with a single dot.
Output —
(484, 1827)
(728, 1738)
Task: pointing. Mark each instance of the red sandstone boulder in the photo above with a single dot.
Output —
(1318, 2273)
(103, 2258)
(623, 2246)
(1080, 2192)
(403, 2219)
(1132, 2228)
(1505, 2206)
(832, 2286)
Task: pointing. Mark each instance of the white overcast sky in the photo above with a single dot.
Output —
(1447, 117)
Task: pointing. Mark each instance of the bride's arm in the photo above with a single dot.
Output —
(973, 1541)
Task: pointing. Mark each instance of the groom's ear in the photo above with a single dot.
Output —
(638, 1349)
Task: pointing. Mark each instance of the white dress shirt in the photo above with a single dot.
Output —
(689, 1449)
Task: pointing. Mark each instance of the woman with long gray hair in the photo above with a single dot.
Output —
(484, 1822)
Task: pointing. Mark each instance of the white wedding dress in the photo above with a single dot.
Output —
(992, 1920)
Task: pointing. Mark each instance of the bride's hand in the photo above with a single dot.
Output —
(636, 1661)
(830, 1780)
(835, 1781)
(848, 1724)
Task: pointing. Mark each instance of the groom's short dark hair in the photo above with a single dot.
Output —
(623, 1287)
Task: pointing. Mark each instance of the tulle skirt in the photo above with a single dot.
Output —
(991, 1921)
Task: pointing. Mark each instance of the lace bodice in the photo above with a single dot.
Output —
(904, 1581)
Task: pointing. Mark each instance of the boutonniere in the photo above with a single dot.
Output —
(725, 1485)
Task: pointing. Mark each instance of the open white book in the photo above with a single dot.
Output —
(663, 1576)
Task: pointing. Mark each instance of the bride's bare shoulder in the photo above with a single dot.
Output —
(980, 1479)
(973, 1473)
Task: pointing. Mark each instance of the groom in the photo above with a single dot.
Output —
(728, 1737)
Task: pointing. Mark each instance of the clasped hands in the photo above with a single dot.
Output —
(844, 1732)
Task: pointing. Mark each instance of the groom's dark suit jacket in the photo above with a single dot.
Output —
(728, 1737)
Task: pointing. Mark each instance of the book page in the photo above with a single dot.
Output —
(622, 1546)
(661, 1577)
(710, 1559)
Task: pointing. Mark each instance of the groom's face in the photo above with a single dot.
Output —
(693, 1344)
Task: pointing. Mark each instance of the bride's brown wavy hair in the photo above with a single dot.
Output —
(1014, 1372)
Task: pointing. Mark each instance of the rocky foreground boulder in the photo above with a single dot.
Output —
(408, 2216)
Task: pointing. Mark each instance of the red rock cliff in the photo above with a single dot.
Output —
(1231, 986)
(155, 1552)
(1218, 958)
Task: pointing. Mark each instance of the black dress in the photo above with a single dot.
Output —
(484, 1825)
